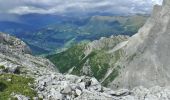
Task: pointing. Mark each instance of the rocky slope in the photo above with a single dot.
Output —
(147, 56)
(25, 77)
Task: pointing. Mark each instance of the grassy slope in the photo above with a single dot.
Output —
(99, 64)
(99, 60)
(134, 23)
(69, 58)
(10, 83)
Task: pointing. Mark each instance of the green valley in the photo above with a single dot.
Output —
(57, 37)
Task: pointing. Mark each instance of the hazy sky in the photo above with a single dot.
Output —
(76, 6)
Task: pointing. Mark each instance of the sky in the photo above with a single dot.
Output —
(22, 7)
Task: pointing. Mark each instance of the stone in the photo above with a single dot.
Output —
(21, 97)
(78, 90)
(94, 81)
(41, 88)
(40, 96)
(82, 85)
(66, 90)
(55, 95)
(13, 69)
(35, 98)
(97, 88)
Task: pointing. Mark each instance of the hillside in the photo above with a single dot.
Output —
(96, 58)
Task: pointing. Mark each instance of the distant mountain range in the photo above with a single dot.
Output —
(52, 33)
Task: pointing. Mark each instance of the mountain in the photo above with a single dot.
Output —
(15, 27)
(141, 60)
(137, 66)
(29, 23)
(25, 77)
(64, 34)
(93, 59)
(103, 53)
(147, 56)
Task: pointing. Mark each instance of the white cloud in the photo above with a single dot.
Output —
(157, 1)
(76, 6)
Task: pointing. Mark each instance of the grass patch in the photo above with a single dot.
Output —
(10, 83)
(69, 58)
(99, 60)
(112, 76)
(77, 69)
(2, 67)
(99, 64)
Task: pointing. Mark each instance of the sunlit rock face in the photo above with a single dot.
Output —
(166, 2)
(147, 60)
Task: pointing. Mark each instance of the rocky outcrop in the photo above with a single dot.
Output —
(11, 44)
(15, 55)
(147, 56)
(104, 43)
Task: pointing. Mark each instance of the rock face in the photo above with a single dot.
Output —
(11, 44)
(15, 55)
(147, 56)
(106, 44)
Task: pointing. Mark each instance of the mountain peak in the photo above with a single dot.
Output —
(166, 2)
(147, 53)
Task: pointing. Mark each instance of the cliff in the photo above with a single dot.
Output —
(146, 61)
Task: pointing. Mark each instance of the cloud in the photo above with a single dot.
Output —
(76, 6)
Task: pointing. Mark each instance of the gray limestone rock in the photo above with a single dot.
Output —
(146, 61)
(21, 97)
